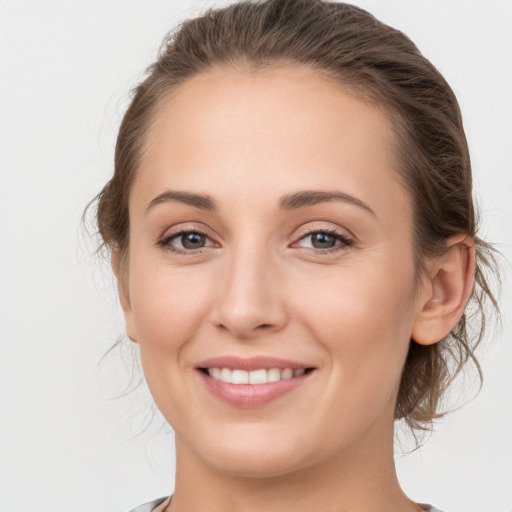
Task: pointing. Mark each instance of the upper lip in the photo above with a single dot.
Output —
(251, 363)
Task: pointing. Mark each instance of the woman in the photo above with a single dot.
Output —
(292, 230)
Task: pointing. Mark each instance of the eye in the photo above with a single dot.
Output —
(327, 240)
(185, 241)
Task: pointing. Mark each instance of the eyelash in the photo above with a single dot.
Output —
(346, 241)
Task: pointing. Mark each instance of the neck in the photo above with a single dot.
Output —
(362, 477)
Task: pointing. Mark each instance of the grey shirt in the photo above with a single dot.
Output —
(153, 505)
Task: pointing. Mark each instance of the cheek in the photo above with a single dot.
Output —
(167, 314)
(364, 321)
(363, 327)
(166, 308)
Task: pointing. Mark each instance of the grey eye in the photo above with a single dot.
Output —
(323, 240)
(192, 240)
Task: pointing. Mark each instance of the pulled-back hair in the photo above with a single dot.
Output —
(381, 65)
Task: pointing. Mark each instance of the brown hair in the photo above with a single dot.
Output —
(381, 64)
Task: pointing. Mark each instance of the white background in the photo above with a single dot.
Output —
(66, 68)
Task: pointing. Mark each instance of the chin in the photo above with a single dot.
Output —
(258, 460)
(257, 468)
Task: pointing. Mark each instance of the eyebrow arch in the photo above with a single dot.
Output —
(287, 202)
(201, 201)
(312, 197)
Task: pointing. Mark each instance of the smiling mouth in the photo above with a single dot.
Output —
(258, 376)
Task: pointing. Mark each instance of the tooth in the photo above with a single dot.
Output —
(273, 375)
(225, 375)
(287, 373)
(258, 376)
(240, 377)
(215, 373)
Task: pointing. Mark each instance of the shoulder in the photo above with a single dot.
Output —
(152, 506)
(429, 508)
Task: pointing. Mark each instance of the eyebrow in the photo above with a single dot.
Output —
(201, 201)
(287, 202)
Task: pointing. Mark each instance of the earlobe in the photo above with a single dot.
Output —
(449, 287)
(124, 294)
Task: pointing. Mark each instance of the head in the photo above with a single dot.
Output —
(250, 105)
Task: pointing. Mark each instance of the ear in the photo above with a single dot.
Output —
(124, 293)
(446, 291)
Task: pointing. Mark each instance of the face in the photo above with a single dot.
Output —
(269, 230)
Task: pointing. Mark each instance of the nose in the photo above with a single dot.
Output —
(250, 303)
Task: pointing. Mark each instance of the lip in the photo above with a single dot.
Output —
(251, 363)
(251, 395)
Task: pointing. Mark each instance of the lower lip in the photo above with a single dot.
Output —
(251, 395)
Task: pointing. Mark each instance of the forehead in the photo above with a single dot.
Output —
(241, 134)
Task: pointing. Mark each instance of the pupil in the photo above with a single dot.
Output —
(323, 240)
(190, 240)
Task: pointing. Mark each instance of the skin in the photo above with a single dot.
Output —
(261, 286)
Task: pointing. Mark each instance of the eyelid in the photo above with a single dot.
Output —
(347, 241)
(343, 232)
(180, 229)
(175, 233)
